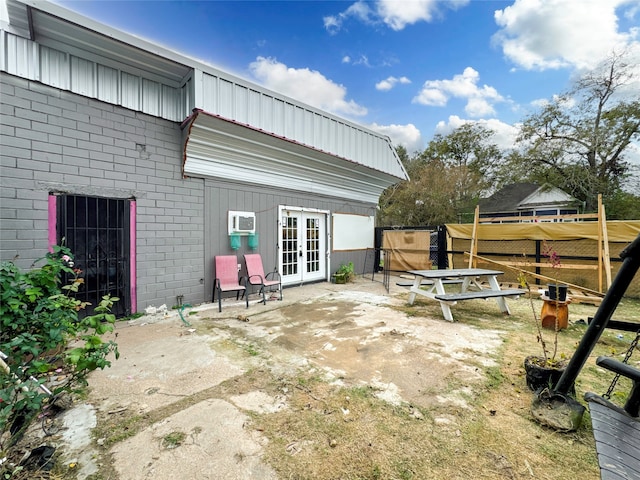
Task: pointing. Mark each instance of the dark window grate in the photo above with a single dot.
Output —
(96, 230)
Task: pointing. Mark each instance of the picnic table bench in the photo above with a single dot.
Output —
(465, 277)
(446, 281)
(482, 294)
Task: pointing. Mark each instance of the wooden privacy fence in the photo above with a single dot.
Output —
(588, 251)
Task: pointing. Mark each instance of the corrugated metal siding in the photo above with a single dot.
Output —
(83, 79)
(21, 57)
(242, 104)
(219, 148)
(130, 88)
(54, 68)
(27, 59)
(107, 84)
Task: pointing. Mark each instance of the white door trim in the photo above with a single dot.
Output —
(285, 211)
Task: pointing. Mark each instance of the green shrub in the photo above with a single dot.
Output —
(347, 271)
(40, 332)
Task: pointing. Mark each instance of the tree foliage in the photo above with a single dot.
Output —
(578, 141)
(446, 179)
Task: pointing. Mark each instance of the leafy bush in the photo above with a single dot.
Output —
(40, 332)
(347, 271)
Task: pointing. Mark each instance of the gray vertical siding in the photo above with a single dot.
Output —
(220, 197)
(56, 140)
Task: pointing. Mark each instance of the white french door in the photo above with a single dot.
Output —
(303, 240)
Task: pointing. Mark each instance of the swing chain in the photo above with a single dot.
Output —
(632, 347)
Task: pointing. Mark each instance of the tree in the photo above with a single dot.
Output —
(468, 150)
(446, 179)
(426, 199)
(580, 138)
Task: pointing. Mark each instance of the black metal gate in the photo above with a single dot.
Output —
(96, 230)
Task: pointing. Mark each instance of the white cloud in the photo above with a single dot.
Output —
(478, 107)
(393, 13)
(505, 134)
(359, 10)
(406, 135)
(398, 15)
(305, 85)
(390, 82)
(544, 34)
(480, 100)
(363, 60)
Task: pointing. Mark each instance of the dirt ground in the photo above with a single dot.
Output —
(171, 372)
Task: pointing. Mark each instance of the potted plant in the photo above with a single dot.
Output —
(344, 274)
(546, 369)
(542, 372)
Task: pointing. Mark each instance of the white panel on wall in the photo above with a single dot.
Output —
(267, 112)
(22, 57)
(130, 91)
(317, 130)
(150, 97)
(299, 124)
(107, 84)
(278, 117)
(241, 97)
(210, 93)
(352, 232)
(339, 137)
(289, 121)
(225, 98)
(83, 76)
(254, 114)
(326, 134)
(54, 67)
(170, 100)
(307, 134)
(186, 96)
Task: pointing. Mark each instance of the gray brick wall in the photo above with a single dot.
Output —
(57, 140)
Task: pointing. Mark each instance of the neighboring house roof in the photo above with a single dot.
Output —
(48, 43)
(524, 197)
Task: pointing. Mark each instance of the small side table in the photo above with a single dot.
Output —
(551, 308)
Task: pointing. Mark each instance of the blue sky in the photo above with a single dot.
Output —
(407, 68)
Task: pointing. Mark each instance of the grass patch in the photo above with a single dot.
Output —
(173, 440)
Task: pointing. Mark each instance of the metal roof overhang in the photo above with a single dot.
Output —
(219, 148)
(56, 27)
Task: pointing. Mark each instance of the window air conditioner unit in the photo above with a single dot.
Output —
(242, 223)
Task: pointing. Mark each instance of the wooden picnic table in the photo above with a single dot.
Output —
(471, 277)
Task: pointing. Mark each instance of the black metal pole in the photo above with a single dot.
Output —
(630, 265)
(442, 247)
(538, 261)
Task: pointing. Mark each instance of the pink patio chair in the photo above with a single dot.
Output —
(256, 276)
(227, 279)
